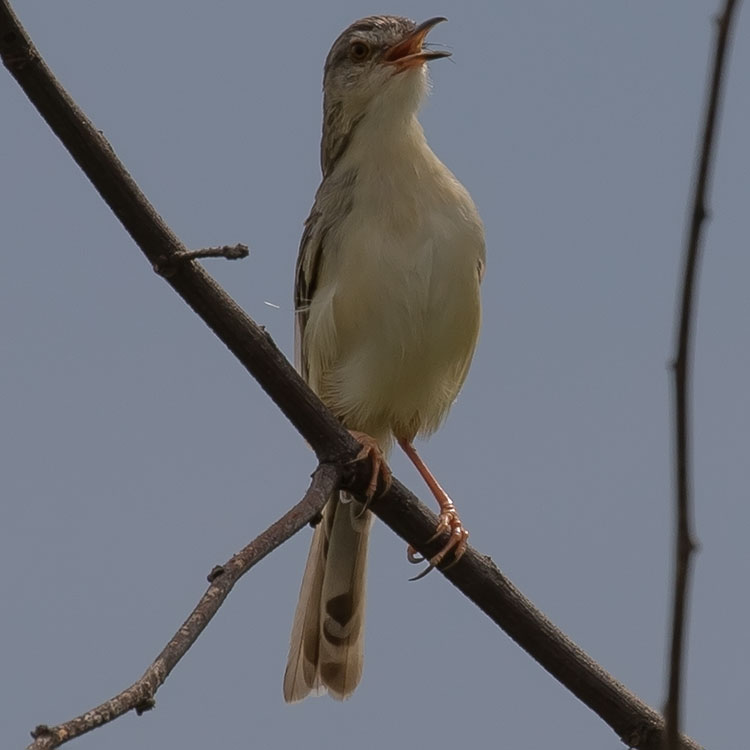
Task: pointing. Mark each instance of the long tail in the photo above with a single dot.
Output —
(327, 644)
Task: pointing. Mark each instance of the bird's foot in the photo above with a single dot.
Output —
(448, 519)
(457, 541)
(380, 469)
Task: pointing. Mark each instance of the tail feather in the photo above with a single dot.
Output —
(300, 678)
(327, 644)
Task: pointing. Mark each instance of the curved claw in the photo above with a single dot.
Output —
(417, 558)
(380, 469)
(427, 570)
(413, 556)
(456, 543)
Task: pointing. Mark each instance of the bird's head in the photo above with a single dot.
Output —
(379, 61)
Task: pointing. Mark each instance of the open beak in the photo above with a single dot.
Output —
(408, 53)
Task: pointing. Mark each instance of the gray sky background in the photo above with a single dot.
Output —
(135, 452)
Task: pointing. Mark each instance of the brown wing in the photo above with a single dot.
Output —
(305, 282)
(333, 202)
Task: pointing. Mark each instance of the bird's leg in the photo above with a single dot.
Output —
(380, 469)
(448, 519)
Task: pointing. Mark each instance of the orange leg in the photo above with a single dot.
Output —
(371, 449)
(448, 519)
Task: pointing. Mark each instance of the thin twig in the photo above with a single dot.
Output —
(230, 252)
(684, 537)
(167, 265)
(476, 575)
(140, 695)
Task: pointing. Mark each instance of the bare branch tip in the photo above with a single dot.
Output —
(237, 252)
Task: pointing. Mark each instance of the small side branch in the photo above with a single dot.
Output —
(230, 252)
(684, 538)
(168, 265)
(139, 696)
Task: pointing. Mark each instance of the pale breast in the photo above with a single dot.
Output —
(396, 314)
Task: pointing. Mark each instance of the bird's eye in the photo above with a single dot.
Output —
(359, 51)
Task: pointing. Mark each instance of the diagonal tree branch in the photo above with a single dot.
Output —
(166, 253)
(476, 575)
(684, 539)
(140, 695)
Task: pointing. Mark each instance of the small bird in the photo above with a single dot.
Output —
(387, 315)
